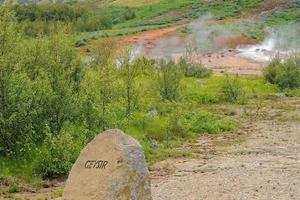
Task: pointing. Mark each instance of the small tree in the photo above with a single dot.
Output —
(98, 89)
(194, 69)
(129, 73)
(21, 99)
(169, 76)
(270, 71)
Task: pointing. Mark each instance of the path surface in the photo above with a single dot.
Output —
(266, 166)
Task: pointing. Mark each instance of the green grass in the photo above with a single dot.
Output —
(117, 32)
(144, 14)
(293, 92)
(169, 12)
(283, 16)
(152, 128)
(21, 168)
(165, 13)
(207, 91)
(57, 193)
(169, 125)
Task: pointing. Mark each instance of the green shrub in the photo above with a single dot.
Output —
(194, 69)
(57, 155)
(232, 89)
(284, 74)
(270, 72)
(169, 76)
(129, 14)
(14, 188)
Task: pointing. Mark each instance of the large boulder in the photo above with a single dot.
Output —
(111, 167)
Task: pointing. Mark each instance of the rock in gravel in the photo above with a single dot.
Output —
(111, 167)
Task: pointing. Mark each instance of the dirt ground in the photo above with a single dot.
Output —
(266, 166)
(227, 62)
(150, 36)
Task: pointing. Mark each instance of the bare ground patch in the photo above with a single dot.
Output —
(265, 166)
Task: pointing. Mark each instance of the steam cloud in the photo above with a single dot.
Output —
(202, 39)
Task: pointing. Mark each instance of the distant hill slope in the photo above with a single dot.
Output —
(134, 3)
(41, 1)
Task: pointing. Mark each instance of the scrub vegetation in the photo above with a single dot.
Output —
(53, 102)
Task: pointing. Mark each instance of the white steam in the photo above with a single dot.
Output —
(280, 41)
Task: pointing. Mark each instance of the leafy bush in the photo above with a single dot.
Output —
(284, 74)
(232, 89)
(194, 70)
(57, 155)
(169, 77)
(51, 105)
(44, 18)
(270, 72)
(22, 99)
(129, 14)
(14, 189)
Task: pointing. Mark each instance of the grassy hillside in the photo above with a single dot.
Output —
(103, 18)
(166, 13)
(132, 3)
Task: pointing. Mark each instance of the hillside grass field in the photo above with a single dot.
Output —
(161, 14)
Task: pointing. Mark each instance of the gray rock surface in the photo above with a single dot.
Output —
(111, 167)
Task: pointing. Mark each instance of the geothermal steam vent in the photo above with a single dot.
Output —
(111, 167)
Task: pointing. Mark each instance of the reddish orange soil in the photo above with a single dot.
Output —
(232, 41)
(149, 36)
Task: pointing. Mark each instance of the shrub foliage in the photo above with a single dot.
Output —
(52, 104)
(286, 74)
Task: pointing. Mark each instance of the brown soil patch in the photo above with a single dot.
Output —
(231, 64)
(232, 41)
(149, 36)
(268, 5)
(226, 62)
